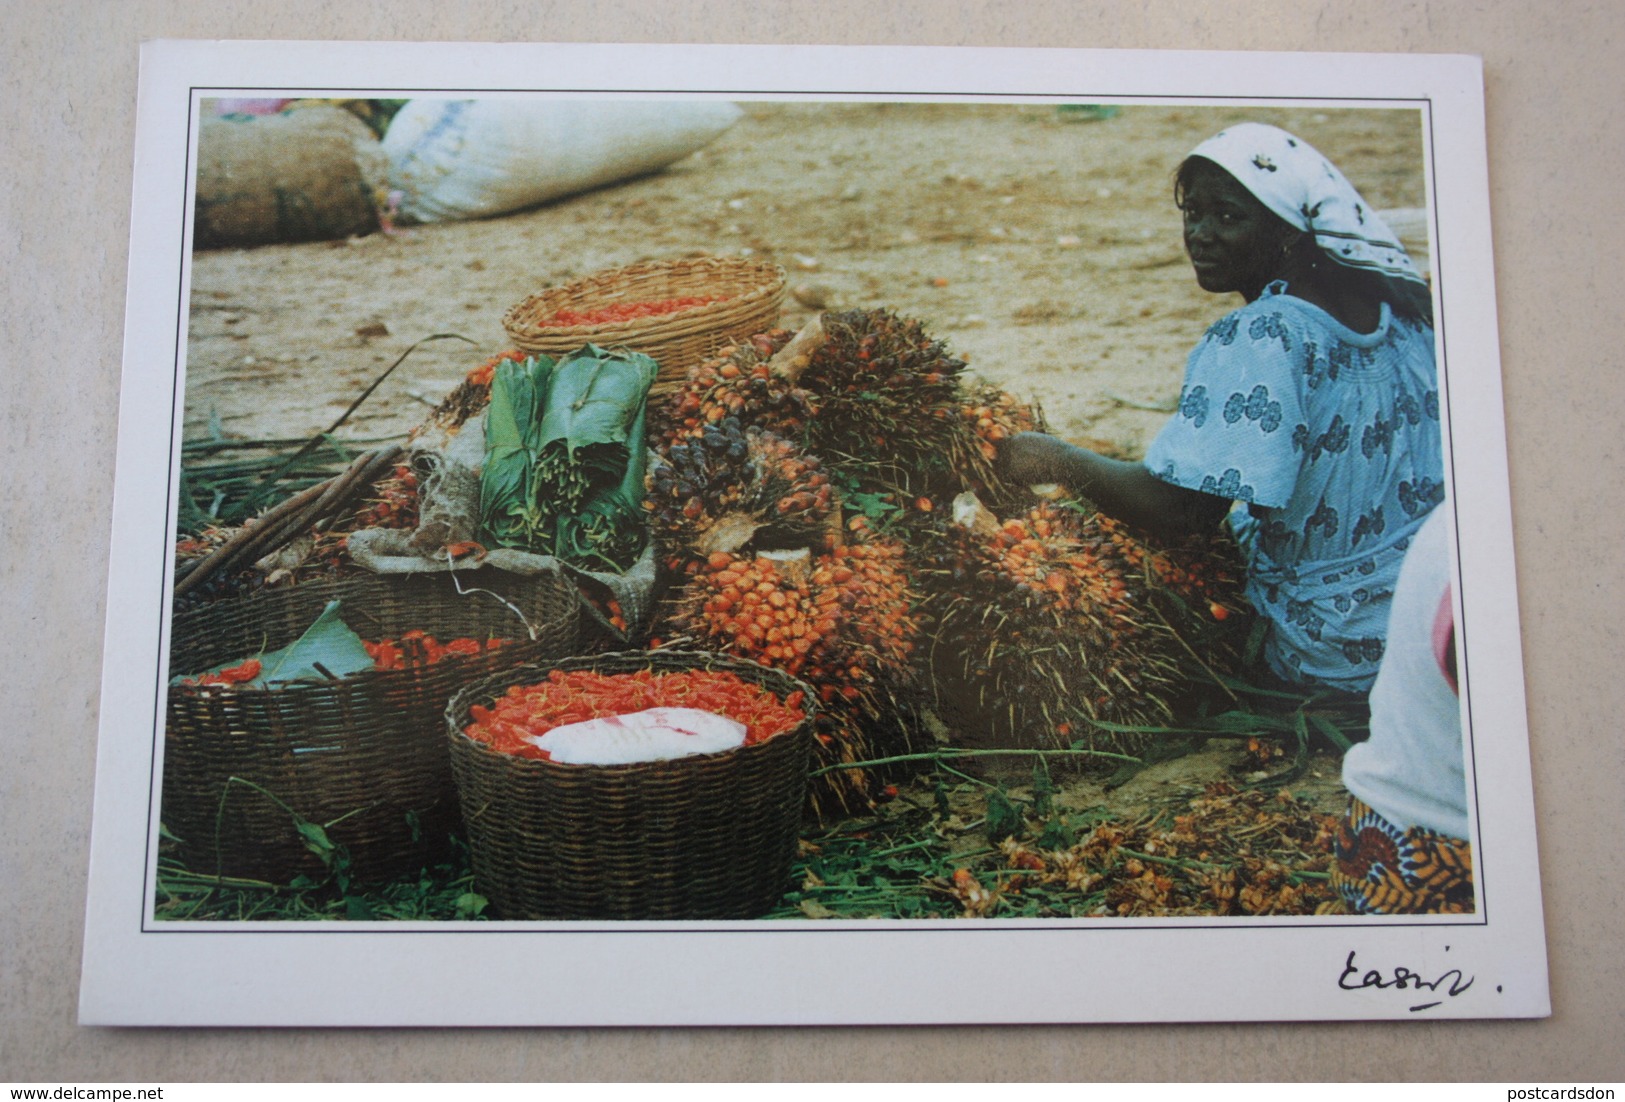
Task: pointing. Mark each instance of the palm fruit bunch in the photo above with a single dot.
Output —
(1196, 583)
(843, 622)
(731, 486)
(1052, 623)
(736, 383)
(879, 399)
(393, 503)
(886, 398)
(995, 414)
(467, 399)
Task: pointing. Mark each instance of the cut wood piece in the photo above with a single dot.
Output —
(729, 533)
(969, 512)
(791, 360)
(795, 565)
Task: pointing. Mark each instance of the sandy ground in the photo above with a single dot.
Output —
(1043, 246)
(1046, 251)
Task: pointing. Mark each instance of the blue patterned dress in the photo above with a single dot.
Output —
(1329, 442)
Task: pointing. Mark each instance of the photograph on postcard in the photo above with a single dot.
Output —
(588, 552)
(808, 510)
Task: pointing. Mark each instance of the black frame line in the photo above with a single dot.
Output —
(149, 925)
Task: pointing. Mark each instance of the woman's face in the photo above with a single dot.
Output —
(1235, 242)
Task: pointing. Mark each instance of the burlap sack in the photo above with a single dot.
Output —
(314, 172)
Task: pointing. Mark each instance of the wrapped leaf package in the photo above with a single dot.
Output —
(513, 423)
(565, 457)
(590, 471)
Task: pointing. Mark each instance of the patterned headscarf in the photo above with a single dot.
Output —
(1288, 176)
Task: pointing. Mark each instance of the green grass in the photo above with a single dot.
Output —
(225, 482)
(897, 863)
(439, 893)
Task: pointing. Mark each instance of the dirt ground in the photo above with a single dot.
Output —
(1042, 244)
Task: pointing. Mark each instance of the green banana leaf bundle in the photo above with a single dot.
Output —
(564, 457)
(508, 516)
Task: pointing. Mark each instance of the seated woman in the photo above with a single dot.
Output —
(1310, 415)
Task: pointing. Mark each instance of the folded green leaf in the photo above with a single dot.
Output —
(328, 643)
(596, 396)
(328, 649)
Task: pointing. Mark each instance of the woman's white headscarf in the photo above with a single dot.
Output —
(1288, 176)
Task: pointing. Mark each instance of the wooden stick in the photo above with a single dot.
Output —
(319, 497)
(280, 524)
(197, 570)
(339, 491)
(363, 472)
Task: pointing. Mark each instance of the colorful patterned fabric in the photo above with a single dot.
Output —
(1288, 176)
(1332, 440)
(1383, 870)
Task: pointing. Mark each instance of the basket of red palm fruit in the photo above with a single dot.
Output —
(664, 784)
(677, 312)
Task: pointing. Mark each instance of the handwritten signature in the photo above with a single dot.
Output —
(1450, 983)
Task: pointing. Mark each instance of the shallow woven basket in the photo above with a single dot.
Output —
(753, 294)
(705, 837)
(366, 754)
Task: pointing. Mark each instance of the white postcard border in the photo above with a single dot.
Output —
(138, 972)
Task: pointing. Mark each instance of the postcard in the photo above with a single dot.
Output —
(757, 535)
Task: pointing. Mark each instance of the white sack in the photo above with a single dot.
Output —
(654, 734)
(454, 159)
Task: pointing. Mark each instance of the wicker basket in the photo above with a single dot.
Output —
(710, 836)
(366, 754)
(753, 293)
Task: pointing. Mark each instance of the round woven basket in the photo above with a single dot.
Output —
(751, 294)
(703, 837)
(365, 756)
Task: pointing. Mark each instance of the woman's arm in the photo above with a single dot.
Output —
(1119, 489)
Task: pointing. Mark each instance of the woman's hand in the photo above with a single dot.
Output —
(1119, 489)
(1033, 458)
